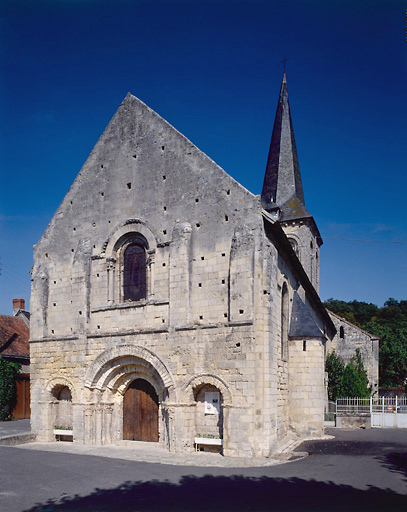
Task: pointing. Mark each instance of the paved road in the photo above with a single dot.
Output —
(12, 428)
(363, 470)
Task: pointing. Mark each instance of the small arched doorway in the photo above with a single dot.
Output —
(63, 406)
(140, 412)
(209, 416)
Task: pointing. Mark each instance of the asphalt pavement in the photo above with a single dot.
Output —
(12, 428)
(363, 470)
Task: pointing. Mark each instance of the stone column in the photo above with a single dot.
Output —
(107, 410)
(151, 267)
(98, 424)
(89, 425)
(110, 268)
(48, 434)
(180, 254)
(166, 413)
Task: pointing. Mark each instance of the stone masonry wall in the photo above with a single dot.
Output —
(306, 386)
(348, 338)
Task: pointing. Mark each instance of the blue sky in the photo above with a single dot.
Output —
(213, 70)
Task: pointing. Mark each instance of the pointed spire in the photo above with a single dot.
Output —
(282, 185)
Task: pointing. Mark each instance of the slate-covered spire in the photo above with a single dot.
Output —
(282, 185)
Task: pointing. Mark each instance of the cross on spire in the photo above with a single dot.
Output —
(284, 62)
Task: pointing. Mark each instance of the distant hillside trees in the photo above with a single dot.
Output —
(390, 324)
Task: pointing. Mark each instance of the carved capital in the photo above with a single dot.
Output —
(110, 263)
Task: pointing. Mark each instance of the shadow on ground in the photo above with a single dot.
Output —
(348, 447)
(396, 462)
(235, 493)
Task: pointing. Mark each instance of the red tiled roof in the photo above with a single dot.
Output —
(14, 337)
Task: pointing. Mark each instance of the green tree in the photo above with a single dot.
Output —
(354, 382)
(334, 366)
(346, 381)
(392, 352)
(8, 392)
(357, 364)
(351, 384)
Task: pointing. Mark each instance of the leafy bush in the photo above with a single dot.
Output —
(335, 366)
(8, 391)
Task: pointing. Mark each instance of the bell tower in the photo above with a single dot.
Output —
(282, 194)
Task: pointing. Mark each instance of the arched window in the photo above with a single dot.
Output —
(135, 272)
(294, 245)
(284, 322)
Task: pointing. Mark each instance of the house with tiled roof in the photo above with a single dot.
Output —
(14, 346)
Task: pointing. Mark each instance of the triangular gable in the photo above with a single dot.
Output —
(141, 148)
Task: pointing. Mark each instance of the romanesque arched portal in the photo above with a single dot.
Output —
(136, 386)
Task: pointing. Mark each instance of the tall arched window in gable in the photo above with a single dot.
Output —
(135, 272)
(284, 322)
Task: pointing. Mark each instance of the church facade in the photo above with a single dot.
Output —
(169, 303)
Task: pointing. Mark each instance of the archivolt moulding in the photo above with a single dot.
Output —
(60, 381)
(123, 382)
(133, 227)
(113, 366)
(206, 378)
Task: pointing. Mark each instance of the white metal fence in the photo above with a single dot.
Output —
(384, 411)
(353, 406)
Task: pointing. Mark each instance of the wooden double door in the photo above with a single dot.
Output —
(140, 412)
(22, 408)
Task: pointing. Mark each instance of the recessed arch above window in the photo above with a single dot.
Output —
(130, 258)
(133, 228)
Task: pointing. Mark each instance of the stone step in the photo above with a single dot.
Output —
(15, 439)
